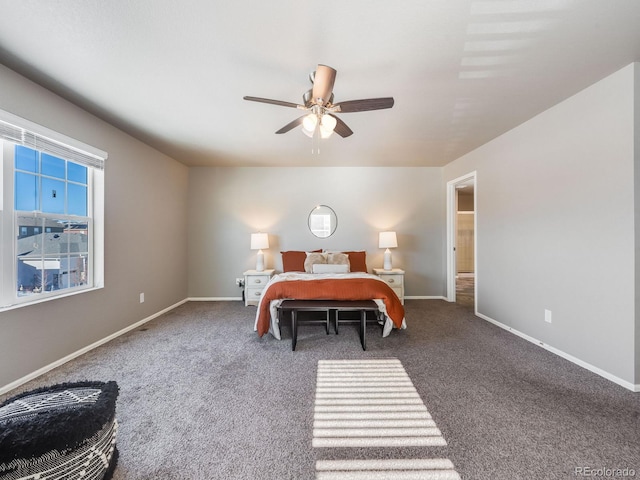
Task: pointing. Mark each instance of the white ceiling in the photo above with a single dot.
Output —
(173, 72)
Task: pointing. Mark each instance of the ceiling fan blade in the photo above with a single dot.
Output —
(341, 128)
(291, 125)
(323, 81)
(365, 105)
(273, 102)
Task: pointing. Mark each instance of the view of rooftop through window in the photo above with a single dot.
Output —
(51, 204)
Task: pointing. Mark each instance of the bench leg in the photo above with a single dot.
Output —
(328, 319)
(363, 329)
(336, 314)
(294, 329)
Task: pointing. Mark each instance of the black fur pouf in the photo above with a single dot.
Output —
(64, 431)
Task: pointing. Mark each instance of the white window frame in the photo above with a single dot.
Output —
(18, 131)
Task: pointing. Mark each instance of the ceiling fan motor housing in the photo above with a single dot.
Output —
(323, 81)
(308, 100)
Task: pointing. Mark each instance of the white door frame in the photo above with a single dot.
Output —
(451, 233)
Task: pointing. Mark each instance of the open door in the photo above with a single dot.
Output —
(461, 240)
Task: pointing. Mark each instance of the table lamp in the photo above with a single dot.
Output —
(258, 242)
(387, 240)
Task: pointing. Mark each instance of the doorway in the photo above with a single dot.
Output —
(461, 241)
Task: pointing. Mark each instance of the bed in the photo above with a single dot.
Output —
(347, 279)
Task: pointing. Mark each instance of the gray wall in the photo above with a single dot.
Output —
(145, 239)
(555, 213)
(227, 204)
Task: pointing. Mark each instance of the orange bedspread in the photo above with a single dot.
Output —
(330, 289)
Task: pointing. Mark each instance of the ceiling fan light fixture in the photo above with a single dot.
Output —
(328, 122)
(309, 123)
(325, 132)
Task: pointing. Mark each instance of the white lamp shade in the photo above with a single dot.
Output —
(325, 123)
(328, 122)
(325, 133)
(387, 240)
(309, 122)
(259, 241)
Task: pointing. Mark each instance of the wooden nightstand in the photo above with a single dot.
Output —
(395, 279)
(254, 283)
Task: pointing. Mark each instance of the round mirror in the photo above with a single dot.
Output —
(323, 221)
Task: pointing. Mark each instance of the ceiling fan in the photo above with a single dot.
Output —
(319, 102)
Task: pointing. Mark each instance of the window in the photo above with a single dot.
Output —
(51, 211)
(50, 196)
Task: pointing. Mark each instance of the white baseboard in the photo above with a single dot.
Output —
(57, 363)
(215, 299)
(424, 297)
(566, 356)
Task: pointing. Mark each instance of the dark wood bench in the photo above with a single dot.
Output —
(327, 306)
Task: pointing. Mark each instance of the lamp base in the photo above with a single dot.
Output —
(260, 261)
(387, 259)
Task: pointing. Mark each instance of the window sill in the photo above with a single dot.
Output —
(48, 299)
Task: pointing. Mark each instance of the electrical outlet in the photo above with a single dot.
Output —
(240, 282)
(547, 315)
(142, 298)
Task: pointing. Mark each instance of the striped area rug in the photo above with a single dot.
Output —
(373, 403)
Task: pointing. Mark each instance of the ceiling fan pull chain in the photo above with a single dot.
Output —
(317, 137)
(313, 140)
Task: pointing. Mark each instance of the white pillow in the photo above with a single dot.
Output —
(330, 268)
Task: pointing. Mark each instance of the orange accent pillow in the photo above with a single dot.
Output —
(357, 261)
(293, 260)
